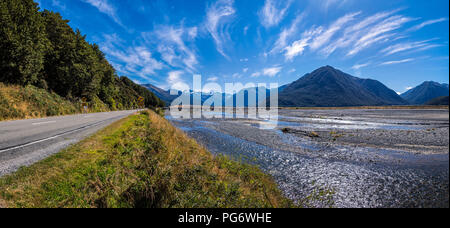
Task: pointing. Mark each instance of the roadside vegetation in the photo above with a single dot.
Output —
(18, 102)
(40, 52)
(140, 161)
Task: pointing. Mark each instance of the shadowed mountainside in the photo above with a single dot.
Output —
(426, 92)
(329, 87)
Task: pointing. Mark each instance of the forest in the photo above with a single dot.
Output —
(38, 48)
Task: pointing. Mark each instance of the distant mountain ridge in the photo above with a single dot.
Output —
(329, 87)
(426, 92)
(165, 96)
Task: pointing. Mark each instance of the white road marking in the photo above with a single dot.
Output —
(40, 123)
(57, 136)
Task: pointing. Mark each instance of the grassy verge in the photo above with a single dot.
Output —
(31, 102)
(140, 161)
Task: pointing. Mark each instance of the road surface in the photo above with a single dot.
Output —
(24, 142)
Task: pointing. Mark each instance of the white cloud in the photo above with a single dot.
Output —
(173, 47)
(426, 23)
(256, 74)
(296, 48)
(419, 45)
(213, 79)
(135, 60)
(272, 71)
(245, 70)
(326, 4)
(246, 29)
(174, 80)
(281, 43)
(273, 12)
(397, 61)
(244, 60)
(58, 4)
(352, 33)
(324, 37)
(216, 18)
(105, 7)
(359, 66)
(193, 32)
(379, 32)
(344, 34)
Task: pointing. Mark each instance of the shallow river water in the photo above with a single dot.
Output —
(358, 176)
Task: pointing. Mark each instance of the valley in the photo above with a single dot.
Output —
(361, 157)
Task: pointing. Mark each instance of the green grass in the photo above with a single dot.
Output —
(141, 161)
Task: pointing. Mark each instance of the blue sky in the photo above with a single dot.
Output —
(398, 42)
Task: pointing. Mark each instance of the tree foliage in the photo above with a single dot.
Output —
(40, 48)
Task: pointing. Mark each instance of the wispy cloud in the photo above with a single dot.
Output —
(379, 32)
(397, 61)
(286, 33)
(270, 71)
(298, 47)
(359, 66)
(415, 46)
(216, 18)
(213, 79)
(354, 32)
(324, 37)
(171, 44)
(426, 23)
(273, 12)
(105, 7)
(325, 5)
(134, 60)
(57, 3)
(256, 74)
(344, 33)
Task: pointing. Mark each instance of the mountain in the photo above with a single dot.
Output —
(226, 98)
(164, 95)
(329, 87)
(425, 92)
(438, 101)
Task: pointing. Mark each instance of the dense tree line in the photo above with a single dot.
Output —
(40, 48)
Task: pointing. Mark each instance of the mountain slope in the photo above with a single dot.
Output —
(438, 101)
(329, 87)
(164, 95)
(426, 92)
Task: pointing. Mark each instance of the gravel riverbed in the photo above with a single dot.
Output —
(368, 158)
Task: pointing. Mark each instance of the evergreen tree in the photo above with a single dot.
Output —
(41, 48)
(22, 42)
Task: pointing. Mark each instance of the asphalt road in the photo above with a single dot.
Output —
(24, 142)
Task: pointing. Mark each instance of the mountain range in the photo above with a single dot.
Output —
(330, 87)
(426, 92)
